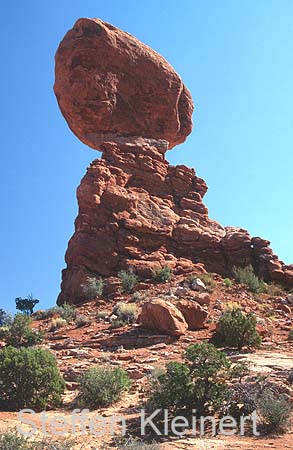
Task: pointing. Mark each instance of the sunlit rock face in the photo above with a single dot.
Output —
(135, 209)
(109, 86)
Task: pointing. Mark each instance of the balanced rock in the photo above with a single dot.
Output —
(136, 211)
(162, 316)
(111, 87)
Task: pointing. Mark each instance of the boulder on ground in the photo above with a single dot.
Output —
(193, 313)
(162, 316)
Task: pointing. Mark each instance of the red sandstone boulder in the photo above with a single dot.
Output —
(162, 316)
(110, 86)
(193, 313)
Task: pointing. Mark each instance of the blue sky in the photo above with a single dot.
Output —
(234, 56)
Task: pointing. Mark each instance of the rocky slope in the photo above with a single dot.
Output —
(135, 209)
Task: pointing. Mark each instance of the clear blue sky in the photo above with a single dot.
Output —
(235, 56)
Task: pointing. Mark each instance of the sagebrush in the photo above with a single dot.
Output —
(236, 329)
(101, 386)
(19, 333)
(29, 378)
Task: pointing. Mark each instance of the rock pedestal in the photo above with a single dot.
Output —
(138, 211)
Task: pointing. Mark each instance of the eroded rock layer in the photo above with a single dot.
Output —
(136, 210)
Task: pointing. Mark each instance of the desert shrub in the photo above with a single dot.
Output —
(134, 443)
(228, 283)
(162, 274)
(82, 320)
(240, 401)
(208, 280)
(260, 395)
(103, 386)
(13, 440)
(102, 314)
(246, 275)
(117, 323)
(240, 370)
(236, 329)
(5, 318)
(172, 389)
(126, 312)
(137, 297)
(290, 335)
(128, 280)
(197, 383)
(68, 312)
(52, 444)
(19, 333)
(47, 313)
(274, 410)
(93, 287)
(274, 289)
(29, 378)
(57, 323)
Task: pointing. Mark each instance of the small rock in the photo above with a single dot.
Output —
(198, 285)
(285, 308)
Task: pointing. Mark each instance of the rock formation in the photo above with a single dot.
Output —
(111, 86)
(135, 209)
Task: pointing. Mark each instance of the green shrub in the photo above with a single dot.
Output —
(206, 278)
(60, 444)
(19, 333)
(198, 383)
(13, 440)
(47, 313)
(290, 335)
(274, 289)
(162, 275)
(236, 329)
(82, 320)
(29, 378)
(137, 297)
(118, 323)
(228, 283)
(126, 312)
(274, 410)
(93, 287)
(240, 370)
(68, 312)
(102, 314)
(134, 443)
(5, 318)
(260, 395)
(246, 275)
(103, 386)
(57, 323)
(128, 280)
